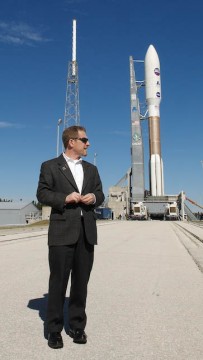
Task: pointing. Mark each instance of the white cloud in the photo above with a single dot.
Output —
(4, 124)
(20, 34)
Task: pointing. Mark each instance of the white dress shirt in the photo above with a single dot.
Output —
(77, 170)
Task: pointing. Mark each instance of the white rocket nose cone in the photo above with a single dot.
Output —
(151, 59)
(151, 52)
(152, 78)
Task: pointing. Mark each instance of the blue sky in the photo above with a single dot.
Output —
(35, 47)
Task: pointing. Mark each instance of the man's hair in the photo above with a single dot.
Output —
(71, 133)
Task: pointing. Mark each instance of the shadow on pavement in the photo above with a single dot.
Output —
(40, 304)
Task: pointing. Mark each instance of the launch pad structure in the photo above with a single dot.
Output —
(131, 200)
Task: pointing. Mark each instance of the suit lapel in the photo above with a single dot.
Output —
(64, 168)
(87, 174)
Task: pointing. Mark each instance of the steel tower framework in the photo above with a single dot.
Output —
(137, 153)
(72, 112)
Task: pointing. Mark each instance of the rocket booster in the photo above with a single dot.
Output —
(153, 99)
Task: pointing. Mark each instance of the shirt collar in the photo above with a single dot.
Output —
(68, 159)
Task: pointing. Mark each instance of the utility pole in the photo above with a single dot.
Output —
(95, 158)
(57, 140)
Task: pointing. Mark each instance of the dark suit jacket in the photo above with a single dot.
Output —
(55, 183)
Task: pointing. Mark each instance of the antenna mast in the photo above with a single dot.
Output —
(72, 113)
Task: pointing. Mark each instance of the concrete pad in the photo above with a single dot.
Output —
(144, 302)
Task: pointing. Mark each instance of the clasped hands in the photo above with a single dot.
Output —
(75, 197)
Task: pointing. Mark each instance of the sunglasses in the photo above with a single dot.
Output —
(84, 140)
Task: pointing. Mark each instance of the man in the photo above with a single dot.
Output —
(73, 189)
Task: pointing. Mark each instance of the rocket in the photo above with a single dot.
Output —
(153, 99)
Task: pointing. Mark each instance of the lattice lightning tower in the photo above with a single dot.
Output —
(72, 113)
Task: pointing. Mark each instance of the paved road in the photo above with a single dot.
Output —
(145, 296)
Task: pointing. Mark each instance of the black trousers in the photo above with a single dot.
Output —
(76, 259)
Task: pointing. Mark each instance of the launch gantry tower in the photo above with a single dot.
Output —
(72, 112)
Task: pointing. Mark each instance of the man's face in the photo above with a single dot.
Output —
(79, 146)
